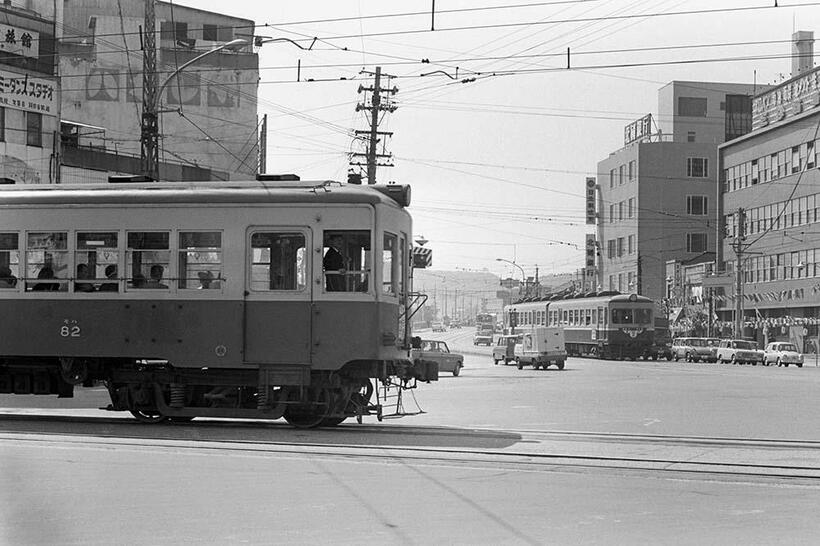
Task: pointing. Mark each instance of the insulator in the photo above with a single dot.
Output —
(177, 395)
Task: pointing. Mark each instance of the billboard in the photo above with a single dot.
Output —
(590, 194)
(590, 250)
(638, 129)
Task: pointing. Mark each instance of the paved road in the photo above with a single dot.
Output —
(601, 452)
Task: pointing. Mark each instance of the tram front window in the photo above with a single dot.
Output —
(623, 316)
(346, 260)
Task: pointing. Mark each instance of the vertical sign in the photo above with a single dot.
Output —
(590, 248)
(590, 189)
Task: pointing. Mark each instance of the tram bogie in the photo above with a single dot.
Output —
(210, 299)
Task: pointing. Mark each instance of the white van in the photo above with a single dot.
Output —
(541, 347)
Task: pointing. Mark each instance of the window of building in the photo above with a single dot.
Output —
(610, 248)
(210, 32)
(96, 259)
(2, 124)
(620, 246)
(611, 214)
(9, 260)
(697, 167)
(175, 30)
(34, 129)
(696, 205)
(612, 178)
(633, 171)
(200, 260)
(630, 281)
(620, 282)
(690, 136)
(631, 207)
(738, 117)
(694, 107)
(696, 242)
(755, 172)
(630, 244)
(795, 159)
(148, 256)
(810, 157)
(621, 210)
(47, 267)
(621, 174)
(612, 282)
(278, 261)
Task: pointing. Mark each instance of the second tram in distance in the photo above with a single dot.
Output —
(608, 325)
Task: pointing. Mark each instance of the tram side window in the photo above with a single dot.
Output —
(405, 264)
(278, 261)
(96, 257)
(347, 260)
(390, 264)
(200, 260)
(148, 254)
(47, 262)
(9, 260)
(566, 317)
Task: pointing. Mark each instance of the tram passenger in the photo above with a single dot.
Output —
(111, 275)
(46, 272)
(83, 273)
(206, 280)
(334, 265)
(7, 280)
(155, 277)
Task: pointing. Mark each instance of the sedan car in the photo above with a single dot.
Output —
(739, 351)
(783, 354)
(437, 351)
(483, 338)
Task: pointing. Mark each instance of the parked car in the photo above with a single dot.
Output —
(695, 349)
(438, 327)
(438, 351)
(483, 338)
(783, 354)
(541, 347)
(739, 351)
(504, 350)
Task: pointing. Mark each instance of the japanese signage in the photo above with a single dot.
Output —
(19, 41)
(590, 251)
(638, 129)
(590, 194)
(24, 92)
(786, 100)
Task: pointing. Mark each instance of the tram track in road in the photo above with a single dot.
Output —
(794, 462)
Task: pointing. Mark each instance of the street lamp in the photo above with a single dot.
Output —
(523, 275)
(150, 131)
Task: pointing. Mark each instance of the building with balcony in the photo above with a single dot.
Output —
(209, 126)
(656, 194)
(769, 212)
(29, 97)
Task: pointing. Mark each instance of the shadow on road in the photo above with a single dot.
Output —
(262, 432)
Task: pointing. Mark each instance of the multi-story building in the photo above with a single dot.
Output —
(29, 97)
(770, 212)
(209, 125)
(656, 194)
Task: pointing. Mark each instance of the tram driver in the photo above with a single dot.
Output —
(334, 264)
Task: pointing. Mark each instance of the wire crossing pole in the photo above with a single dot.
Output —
(374, 125)
(371, 157)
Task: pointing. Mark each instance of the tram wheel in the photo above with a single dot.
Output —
(150, 417)
(304, 417)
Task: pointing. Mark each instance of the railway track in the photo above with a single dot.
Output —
(685, 457)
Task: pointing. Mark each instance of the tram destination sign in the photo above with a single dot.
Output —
(638, 129)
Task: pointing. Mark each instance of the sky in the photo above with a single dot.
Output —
(492, 131)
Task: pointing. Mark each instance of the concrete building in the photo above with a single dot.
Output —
(770, 212)
(29, 97)
(209, 125)
(656, 194)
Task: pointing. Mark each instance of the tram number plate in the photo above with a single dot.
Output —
(70, 328)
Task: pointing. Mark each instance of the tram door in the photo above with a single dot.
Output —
(278, 296)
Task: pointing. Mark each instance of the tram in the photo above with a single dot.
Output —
(607, 325)
(211, 299)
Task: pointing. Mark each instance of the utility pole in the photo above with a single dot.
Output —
(263, 145)
(149, 129)
(740, 236)
(377, 105)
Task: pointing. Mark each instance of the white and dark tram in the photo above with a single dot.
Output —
(209, 299)
(607, 325)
